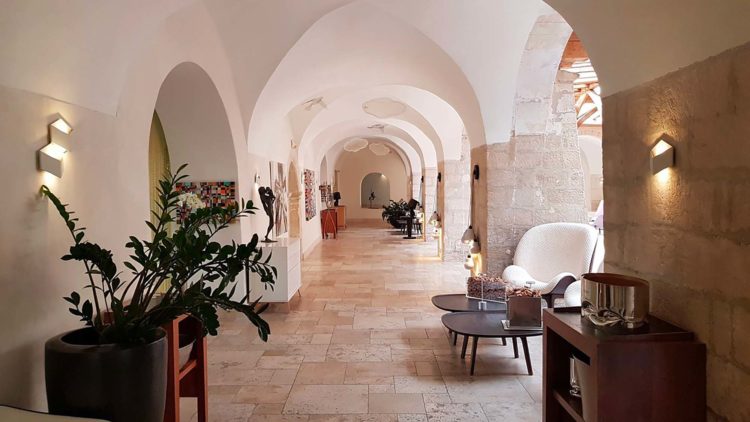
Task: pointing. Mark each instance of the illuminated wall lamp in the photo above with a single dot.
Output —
(662, 156)
(51, 155)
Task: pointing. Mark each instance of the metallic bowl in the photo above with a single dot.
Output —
(614, 300)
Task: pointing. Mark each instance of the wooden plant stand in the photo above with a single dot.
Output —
(656, 373)
(191, 379)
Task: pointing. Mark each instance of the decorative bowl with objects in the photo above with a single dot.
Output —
(524, 308)
(614, 301)
(484, 287)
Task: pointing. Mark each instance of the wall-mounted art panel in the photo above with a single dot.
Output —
(310, 209)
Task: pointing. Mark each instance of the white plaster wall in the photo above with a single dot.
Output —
(354, 166)
(105, 181)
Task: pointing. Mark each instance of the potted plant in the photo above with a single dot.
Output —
(114, 367)
(393, 211)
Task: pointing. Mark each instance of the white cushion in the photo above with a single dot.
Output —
(573, 294)
(550, 249)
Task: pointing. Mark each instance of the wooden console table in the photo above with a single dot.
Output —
(341, 216)
(657, 373)
(191, 379)
(328, 222)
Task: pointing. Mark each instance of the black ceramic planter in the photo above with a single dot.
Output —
(111, 382)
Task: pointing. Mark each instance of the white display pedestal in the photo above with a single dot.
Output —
(285, 256)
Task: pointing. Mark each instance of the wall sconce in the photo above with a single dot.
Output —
(662, 156)
(475, 248)
(440, 177)
(469, 263)
(475, 172)
(434, 219)
(256, 178)
(468, 236)
(51, 155)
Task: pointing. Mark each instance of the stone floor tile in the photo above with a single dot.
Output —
(327, 399)
(321, 373)
(396, 403)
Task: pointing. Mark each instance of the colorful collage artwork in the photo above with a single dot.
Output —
(310, 211)
(221, 194)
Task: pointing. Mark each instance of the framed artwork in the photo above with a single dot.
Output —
(326, 195)
(310, 211)
(279, 187)
(213, 194)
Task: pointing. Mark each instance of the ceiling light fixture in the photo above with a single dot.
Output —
(356, 144)
(378, 126)
(309, 104)
(383, 108)
(379, 149)
(51, 155)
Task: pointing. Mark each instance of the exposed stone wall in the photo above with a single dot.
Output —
(687, 229)
(457, 182)
(429, 198)
(535, 178)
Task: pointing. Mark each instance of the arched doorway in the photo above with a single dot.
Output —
(195, 130)
(375, 191)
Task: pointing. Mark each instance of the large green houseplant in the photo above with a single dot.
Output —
(192, 274)
(394, 211)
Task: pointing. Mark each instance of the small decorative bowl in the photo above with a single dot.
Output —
(614, 300)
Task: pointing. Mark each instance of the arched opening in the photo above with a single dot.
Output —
(375, 191)
(557, 96)
(158, 162)
(364, 173)
(195, 130)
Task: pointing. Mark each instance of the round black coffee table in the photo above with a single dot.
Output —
(458, 302)
(488, 325)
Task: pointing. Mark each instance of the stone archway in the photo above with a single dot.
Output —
(537, 177)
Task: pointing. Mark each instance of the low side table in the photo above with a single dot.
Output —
(458, 302)
(488, 325)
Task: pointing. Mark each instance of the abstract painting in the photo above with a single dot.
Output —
(309, 177)
(216, 194)
(279, 187)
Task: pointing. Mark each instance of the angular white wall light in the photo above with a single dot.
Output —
(662, 156)
(51, 155)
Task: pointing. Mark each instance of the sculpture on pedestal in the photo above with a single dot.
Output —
(267, 198)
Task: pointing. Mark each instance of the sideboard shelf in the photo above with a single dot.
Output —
(654, 373)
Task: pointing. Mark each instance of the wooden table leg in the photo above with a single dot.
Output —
(515, 348)
(474, 353)
(504, 343)
(463, 348)
(526, 353)
(455, 338)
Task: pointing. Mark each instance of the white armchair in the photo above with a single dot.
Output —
(551, 257)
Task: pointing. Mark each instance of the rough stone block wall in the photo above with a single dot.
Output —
(687, 229)
(429, 196)
(537, 177)
(457, 182)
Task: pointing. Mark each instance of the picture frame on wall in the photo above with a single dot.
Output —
(308, 176)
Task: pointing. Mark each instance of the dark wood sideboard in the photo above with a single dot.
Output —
(655, 373)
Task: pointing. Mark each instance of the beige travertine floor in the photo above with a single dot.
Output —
(364, 343)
